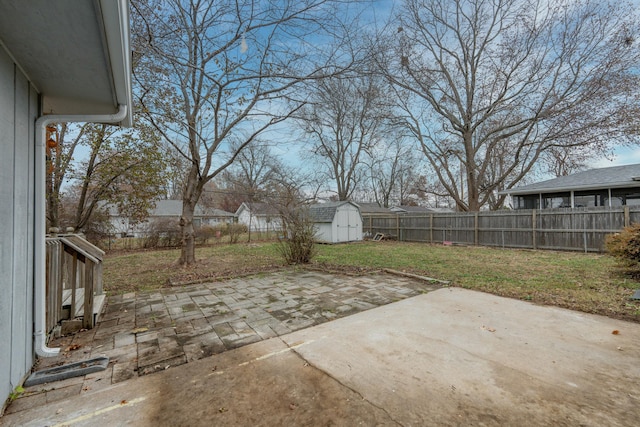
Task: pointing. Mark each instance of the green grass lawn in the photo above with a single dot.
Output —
(586, 282)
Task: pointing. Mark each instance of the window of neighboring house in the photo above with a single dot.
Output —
(554, 201)
(633, 200)
(197, 222)
(625, 197)
(615, 201)
(586, 199)
(526, 202)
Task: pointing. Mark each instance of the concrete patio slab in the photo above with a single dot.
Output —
(449, 357)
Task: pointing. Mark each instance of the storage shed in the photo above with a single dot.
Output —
(337, 222)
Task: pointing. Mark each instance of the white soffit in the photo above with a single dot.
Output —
(75, 52)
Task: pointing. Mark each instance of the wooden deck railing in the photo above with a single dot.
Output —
(73, 280)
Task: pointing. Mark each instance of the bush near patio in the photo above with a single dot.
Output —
(625, 247)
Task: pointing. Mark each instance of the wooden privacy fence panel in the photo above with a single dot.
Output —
(559, 229)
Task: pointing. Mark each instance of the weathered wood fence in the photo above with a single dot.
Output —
(581, 229)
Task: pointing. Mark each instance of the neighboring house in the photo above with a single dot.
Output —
(336, 222)
(164, 212)
(413, 210)
(259, 217)
(612, 186)
(373, 209)
(60, 61)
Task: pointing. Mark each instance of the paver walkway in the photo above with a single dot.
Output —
(150, 331)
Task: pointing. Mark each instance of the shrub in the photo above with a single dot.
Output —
(235, 230)
(163, 233)
(625, 247)
(204, 233)
(297, 245)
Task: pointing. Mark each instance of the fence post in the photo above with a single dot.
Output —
(87, 313)
(430, 228)
(626, 216)
(475, 228)
(533, 230)
(398, 227)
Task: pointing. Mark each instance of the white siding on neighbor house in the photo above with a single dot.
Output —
(18, 112)
(259, 223)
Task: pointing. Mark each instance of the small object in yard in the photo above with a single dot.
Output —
(378, 237)
(447, 243)
(636, 295)
(292, 406)
(616, 332)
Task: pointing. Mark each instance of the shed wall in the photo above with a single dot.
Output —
(324, 232)
(18, 112)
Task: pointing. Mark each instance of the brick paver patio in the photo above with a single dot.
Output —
(150, 331)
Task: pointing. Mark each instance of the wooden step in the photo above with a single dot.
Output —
(98, 303)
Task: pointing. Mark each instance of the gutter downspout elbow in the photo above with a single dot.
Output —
(40, 292)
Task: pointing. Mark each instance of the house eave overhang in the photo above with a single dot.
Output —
(76, 53)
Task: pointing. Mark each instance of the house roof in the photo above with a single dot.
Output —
(258, 209)
(594, 179)
(173, 208)
(76, 53)
(324, 212)
(373, 208)
(411, 209)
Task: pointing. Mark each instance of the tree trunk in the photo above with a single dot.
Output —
(188, 250)
(193, 189)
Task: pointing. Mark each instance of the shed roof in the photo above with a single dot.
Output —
(595, 179)
(324, 212)
(76, 53)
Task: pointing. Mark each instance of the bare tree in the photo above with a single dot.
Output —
(211, 76)
(344, 119)
(254, 170)
(488, 86)
(393, 172)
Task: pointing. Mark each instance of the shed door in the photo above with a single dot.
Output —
(347, 225)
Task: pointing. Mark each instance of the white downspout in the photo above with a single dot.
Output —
(40, 293)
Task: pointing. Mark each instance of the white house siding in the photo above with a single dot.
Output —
(259, 222)
(18, 112)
